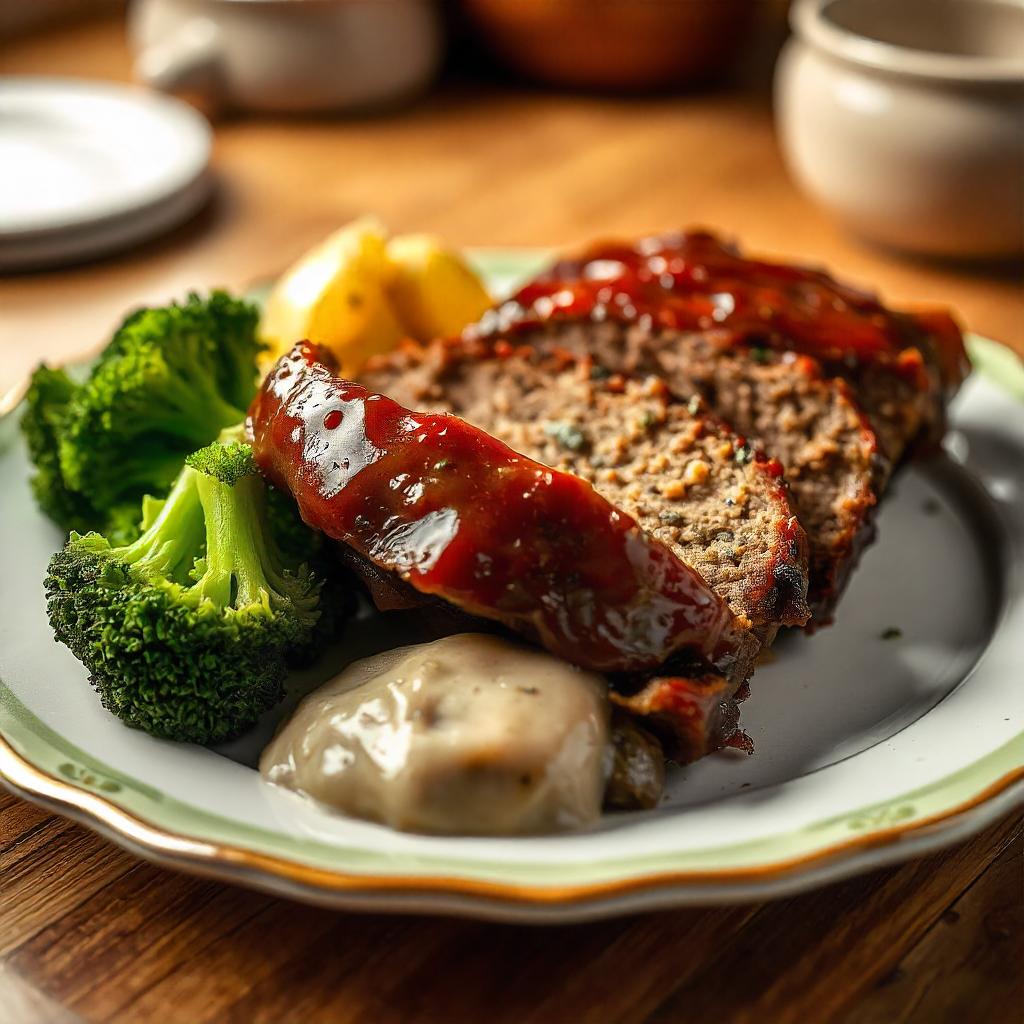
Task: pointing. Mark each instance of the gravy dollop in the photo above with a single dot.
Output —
(471, 735)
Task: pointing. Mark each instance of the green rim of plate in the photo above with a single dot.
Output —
(51, 753)
(35, 742)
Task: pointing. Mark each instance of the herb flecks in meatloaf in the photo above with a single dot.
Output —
(822, 375)
(687, 479)
(783, 403)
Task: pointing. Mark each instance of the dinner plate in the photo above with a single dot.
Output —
(895, 731)
(89, 167)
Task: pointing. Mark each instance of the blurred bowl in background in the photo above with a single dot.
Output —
(905, 118)
(287, 55)
(614, 44)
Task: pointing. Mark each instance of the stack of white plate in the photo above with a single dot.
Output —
(87, 168)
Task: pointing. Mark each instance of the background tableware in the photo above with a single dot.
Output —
(608, 44)
(287, 55)
(89, 167)
(906, 119)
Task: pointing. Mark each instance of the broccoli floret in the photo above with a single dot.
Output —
(301, 545)
(169, 381)
(187, 631)
(294, 538)
(228, 460)
(46, 403)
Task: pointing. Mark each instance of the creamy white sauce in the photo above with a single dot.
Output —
(471, 734)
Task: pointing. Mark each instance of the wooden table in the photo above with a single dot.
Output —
(86, 931)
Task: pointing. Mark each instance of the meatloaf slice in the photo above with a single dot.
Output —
(782, 402)
(686, 478)
(823, 376)
(453, 513)
(903, 367)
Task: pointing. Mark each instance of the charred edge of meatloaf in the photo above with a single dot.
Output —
(905, 388)
(785, 403)
(688, 706)
(688, 480)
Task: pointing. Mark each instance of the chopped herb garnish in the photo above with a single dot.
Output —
(442, 463)
(743, 454)
(566, 434)
(598, 372)
(672, 518)
(759, 353)
(693, 405)
(892, 633)
(647, 419)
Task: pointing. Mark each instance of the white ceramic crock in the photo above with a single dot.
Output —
(287, 55)
(905, 118)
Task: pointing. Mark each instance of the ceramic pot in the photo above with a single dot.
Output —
(905, 118)
(287, 55)
(612, 44)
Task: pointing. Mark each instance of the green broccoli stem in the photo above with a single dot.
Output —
(241, 567)
(156, 473)
(171, 544)
(196, 414)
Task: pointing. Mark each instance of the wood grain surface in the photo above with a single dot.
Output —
(87, 932)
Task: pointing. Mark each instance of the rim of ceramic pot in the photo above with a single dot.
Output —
(813, 21)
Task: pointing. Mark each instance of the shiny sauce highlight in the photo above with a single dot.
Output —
(692, 281)
(459, 515)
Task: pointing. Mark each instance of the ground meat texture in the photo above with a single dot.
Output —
(872, 383)
(903, 367)
(783, 402)
(902, 414)
(684, 477)
(812, 423)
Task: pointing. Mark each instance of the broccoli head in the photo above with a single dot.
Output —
(169, 381)
(46, 402)
(188, 630)
(49, 393)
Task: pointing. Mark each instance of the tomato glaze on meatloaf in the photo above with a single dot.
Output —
(822, 376)
(685, 477)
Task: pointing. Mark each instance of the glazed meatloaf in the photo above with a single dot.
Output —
(686, 478)
(811, 423)
(903, 367)
(823, 377)
(453, 513)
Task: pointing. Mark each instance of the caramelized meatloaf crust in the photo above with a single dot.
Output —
(903, 367)
(686, 478)
(783, 403)
(821, 375)
(454, 513)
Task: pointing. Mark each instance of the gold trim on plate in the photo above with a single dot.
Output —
(199, 855)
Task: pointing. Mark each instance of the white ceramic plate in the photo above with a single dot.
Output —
(88, 167)
(869, 750)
